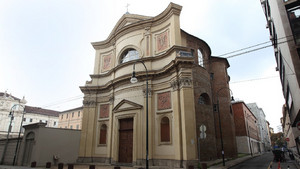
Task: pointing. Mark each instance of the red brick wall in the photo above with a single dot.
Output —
(244, 118)
(204, 84)
(221, 92)
(239, 119)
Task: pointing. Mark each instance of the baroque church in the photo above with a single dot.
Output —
(174, 110)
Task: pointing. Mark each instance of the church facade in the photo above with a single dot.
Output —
(182, 83)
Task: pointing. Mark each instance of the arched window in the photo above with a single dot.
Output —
(204, 99)
(165, 129)
(200, 58)
(129, 54)
(103, 133)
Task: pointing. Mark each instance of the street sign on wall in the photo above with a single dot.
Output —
(202, 129)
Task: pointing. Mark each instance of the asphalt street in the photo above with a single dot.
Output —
(265, 161)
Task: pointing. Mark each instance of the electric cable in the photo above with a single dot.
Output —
(206, 60)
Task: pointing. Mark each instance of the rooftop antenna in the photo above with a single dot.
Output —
(127, 8)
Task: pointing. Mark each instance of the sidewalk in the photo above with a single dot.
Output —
(17, 167)
(234, 162)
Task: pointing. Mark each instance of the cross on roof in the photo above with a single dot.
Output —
(127, 8)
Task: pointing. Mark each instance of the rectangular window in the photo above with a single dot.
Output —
(268, 9)
(281, 67)
(62, 116)
(165, 129)
(72, 114)
(67, 115)
(289, 99)
(54, 123)
(78, 113)
(30, 120)
(77, 126)
(294, 16)
(103, 131)
(211, 76)
(71, 127)
(24, 119)
(41, 121)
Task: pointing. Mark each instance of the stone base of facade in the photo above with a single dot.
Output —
(161, 163)
(102, 160)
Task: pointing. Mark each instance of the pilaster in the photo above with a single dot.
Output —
(88, 127)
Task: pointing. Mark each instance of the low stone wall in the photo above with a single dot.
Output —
(10, 150)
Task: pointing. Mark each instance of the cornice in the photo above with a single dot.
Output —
(146, 59)
(172, 66)
(142, 22)
(220, 59)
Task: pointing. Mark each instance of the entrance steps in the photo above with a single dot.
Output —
(103, 166)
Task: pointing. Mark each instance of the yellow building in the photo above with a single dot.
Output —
(71, 119)
(183, 81)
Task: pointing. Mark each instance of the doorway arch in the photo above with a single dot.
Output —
(29, 141)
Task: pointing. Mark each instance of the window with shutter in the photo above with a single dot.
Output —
(103, 132)
(165, 129)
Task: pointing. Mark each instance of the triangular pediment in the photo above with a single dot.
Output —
(126, 105)
(128, 19)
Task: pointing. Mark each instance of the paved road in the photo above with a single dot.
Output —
(265, 161)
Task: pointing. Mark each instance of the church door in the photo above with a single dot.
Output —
(126, 140)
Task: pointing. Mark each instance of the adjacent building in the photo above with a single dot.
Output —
(287, 130)
(14, 113)
(179, 88)
(71, 119)
(283, 21)
(265, 141)
(246, 130)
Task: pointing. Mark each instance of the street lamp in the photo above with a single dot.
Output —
(11, 114)
(134, 80)
(232, 99)
(17, 147)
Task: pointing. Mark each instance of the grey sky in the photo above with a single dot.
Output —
(45, 49)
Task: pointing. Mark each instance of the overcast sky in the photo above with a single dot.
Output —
(45, 50)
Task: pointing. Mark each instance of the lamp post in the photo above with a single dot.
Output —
(134, 80)
(17, 147)
(11, 114)
(7, 137)
(220, 128)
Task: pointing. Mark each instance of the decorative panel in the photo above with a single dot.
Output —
(162, 41)
(164, 101)
(106, 62)
(104, 110)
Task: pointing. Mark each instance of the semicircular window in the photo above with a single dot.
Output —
(129, 54)
(204, 99)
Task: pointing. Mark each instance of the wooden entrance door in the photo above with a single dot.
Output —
(126, 140)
